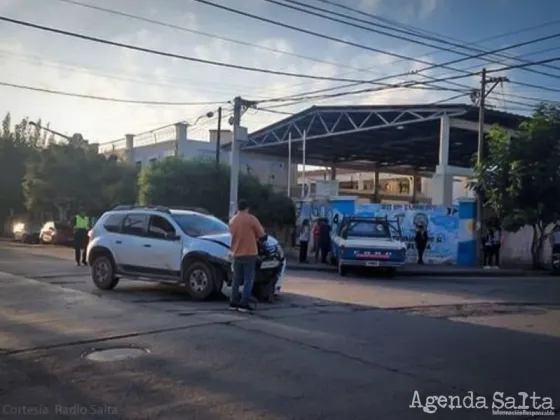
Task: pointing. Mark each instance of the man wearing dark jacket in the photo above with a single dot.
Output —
(421, 240)
(324, 239)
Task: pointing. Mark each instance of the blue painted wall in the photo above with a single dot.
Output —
(450, 229)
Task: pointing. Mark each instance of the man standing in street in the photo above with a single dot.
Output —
(81, 226)
(421, 240)
(245, 230)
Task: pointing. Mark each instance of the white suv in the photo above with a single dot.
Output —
(184, 247)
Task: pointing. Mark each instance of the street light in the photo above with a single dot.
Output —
(76, 138)
(210, 114)
(40, 127)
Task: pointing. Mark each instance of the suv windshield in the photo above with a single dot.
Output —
(200, 225)
(367, 229)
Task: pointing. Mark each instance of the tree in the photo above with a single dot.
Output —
(520, 178)
(62, 178)
(199, 183)
(17, 143)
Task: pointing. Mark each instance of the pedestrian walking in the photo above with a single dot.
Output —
(246, 231)
(421, 241)
(324, 239)
(488, 247)
(316, 232)
(496, 241)
(81, 227)
(303, 240)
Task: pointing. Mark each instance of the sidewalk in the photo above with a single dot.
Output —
(415, 270)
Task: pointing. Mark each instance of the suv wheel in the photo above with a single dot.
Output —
(103, 273)
(199, 280)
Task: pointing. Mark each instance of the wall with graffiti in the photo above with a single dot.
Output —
(442, 223)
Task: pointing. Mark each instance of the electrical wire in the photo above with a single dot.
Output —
(354, 25)
(145, 79)
(103, 98)
(529, 85)
(434, 66)
(439, 39)
(172, 55)
(209, 35)
(148, 20)
(316, 34)
(407, 84)
(417, 31)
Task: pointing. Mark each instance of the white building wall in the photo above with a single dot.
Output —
(268, 169)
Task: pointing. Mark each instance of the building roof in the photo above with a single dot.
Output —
(391, 135)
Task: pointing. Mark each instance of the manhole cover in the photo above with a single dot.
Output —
(115, 355)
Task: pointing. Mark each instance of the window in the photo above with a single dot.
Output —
(135, 224)
(367, 229)
(114, 222)
(159, 227)
(200, 225)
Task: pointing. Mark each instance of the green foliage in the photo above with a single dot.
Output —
(520, 178)
(65, 177)
(200, 183)
(17, 144)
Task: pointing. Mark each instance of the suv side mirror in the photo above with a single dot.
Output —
(172, 236)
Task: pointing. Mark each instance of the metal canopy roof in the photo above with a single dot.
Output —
(390, 135)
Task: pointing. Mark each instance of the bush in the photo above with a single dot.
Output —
(174, 182)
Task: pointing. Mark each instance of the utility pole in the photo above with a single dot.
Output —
(239, 106)
(219, 136)
(480, 152)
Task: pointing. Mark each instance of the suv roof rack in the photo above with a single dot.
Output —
(195, 209)
(135, 206)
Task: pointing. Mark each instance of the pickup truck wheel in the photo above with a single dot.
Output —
(103, 273)
(199, 280)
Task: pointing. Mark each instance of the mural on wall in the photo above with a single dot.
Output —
(442, 223)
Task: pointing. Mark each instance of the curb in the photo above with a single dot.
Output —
(436, 273)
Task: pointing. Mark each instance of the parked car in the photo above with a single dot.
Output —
(56, 233)
(368, 242)
(183, 247)
(26, 232)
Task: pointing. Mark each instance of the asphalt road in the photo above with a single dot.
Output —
(335, 348)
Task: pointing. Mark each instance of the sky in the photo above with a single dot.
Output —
(38, 59)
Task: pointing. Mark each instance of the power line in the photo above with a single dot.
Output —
(408, 84)
(153, 21)
(408, 39)
(434, 66)
(102, 98)
(145, 79)
(433, 37)
(141, 18)
(172, 55)
(417, 31)
(209, 35)
(316, 34)
(431, 66)
(529, 85)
